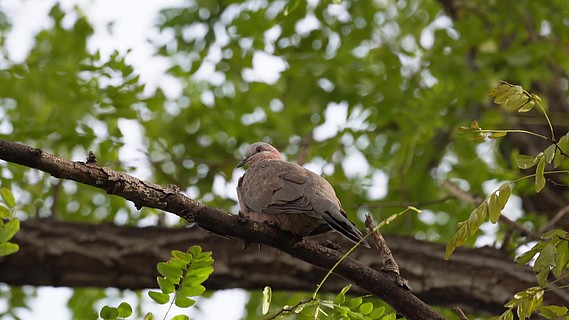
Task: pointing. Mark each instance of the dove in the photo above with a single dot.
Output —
(289, 196)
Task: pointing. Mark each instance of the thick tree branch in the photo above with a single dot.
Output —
(170, 199)
(54, 253)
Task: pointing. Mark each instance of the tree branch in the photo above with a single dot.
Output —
(56, 253)
(169, 199)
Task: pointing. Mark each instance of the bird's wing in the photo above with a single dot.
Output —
(276, 187)
(280, 187)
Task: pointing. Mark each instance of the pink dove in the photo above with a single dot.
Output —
(289, 196)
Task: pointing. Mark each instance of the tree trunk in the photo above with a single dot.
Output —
(54, 253)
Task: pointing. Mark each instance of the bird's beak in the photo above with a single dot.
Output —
(243, 162)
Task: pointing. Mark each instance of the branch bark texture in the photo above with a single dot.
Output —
(131, 253)
(55, 253)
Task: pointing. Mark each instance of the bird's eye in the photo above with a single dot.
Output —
(259, 149)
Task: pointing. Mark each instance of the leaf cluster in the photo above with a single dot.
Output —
(553, 249)
(341, 307)
(491, 207)
(9, 225)
(182, 277)
(552, 258)
(511, 97)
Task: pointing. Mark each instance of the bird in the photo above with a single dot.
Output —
(289, 196)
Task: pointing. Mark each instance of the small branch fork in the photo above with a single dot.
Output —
(151, 195)
(389, 264)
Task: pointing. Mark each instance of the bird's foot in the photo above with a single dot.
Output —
(272, 223)
(243, 219)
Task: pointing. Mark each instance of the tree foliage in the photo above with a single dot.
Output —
(374, 95)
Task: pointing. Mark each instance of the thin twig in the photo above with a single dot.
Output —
(287, 309)
(560, 214)
(460, 313)
(304, 148)
(404, 204)
(55, 192)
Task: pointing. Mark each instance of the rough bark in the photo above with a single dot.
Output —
(68, 254)
(169, 199)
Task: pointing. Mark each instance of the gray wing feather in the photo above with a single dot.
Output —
(276, 188)
(279, 187)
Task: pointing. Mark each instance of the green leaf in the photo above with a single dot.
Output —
(499, 90)
(463, 130)
(5, 212)
(354, 303)
(159, 297)
(478, 136)
(169, 271)
(539, 175)
(504, 195)
(124, 309)
(467, 228)
(340, 298)
(494, 208)
(563, 144)
(366, 308)
(496, 135)
(109, 313)
(530, 300)
(544, 262)
(8, 197)
(526, 257)
(192, 291)
(377, 313)
(291, 6)
(7, 248)
(390, 316)
(195, 250)
(515, 101)
(9, 230)
(149, 316)
(182, 256)
(165, 285)
(527, 106)
(549, 153)
(553, 312)
(184, 302)
(203, 272)
(181, 317)
(507, 315)
(562, 257)
(525, 162)
(267, 297)
(555, 234)
(346, 289)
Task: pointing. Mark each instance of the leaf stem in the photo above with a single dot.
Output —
(516, 131)
(548, 121)
(533, 175)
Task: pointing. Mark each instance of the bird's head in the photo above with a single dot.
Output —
(259, 151)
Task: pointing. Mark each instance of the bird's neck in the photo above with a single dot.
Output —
(269, 156)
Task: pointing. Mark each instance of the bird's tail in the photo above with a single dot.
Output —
(345, 227)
